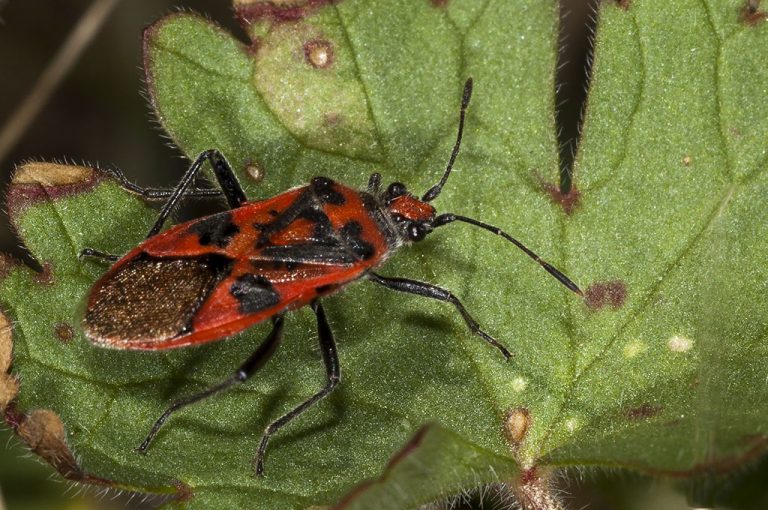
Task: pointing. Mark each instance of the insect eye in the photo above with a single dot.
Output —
(395, 190)
(416, 232)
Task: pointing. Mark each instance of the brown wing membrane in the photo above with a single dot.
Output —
(151, 300)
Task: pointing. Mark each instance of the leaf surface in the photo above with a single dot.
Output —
(660, 368)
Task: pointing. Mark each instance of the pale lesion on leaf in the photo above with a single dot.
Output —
(36, 181)
(51, 174)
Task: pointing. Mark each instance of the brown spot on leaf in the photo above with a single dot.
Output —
(516, 424)
(184, 492)
(612, 293)
(332, 119)
(64, 332)
(624, 4)
(38, 181)
(438, 3)
(276, 11)
(318, 53)
(751, 14)
(45, 277)
(568, 201)
(643, 412)
(687, 160)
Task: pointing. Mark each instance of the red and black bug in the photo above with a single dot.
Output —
(212, 277)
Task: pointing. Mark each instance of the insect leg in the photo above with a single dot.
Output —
(333, 373)
(435, 292)
(158, 193)
(254, 362)
(96, 254)
(224, 175)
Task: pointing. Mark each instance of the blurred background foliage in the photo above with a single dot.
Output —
(98, 115)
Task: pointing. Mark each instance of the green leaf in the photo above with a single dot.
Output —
(672, 168)
(660, 368)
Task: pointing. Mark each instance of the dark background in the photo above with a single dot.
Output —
(98, 115)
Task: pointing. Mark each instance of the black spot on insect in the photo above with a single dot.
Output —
(369, 202)
(323, 228)
(322, 231)
(305, 201)
(217, 230)
(325, 289)
(254, 293)
(322, 187)
(274, 213)
(262, 241)
(352, 228)
(351, 235)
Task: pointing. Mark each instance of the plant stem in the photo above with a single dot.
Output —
(79, 38)
(535, 491)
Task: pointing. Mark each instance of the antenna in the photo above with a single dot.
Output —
(444, 219)
(435, 190)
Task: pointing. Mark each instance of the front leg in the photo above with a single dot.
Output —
(435, 292)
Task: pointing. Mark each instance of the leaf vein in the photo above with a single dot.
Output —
(460, 77)
(387, 161)
(598, 185)
(719, 92)
(653, 290)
